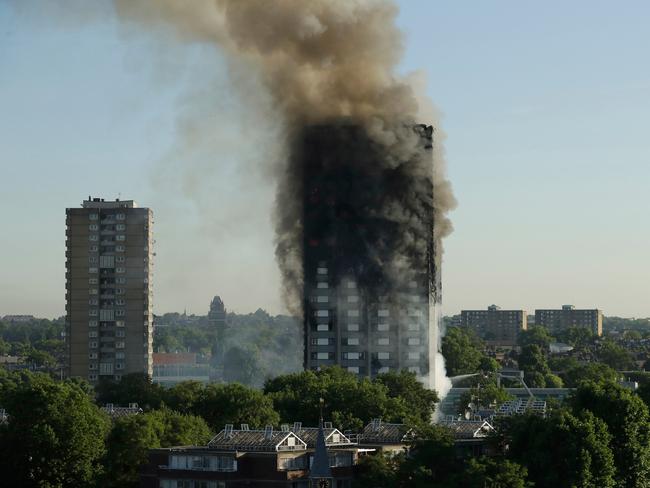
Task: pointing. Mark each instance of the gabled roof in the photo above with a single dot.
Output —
(468, 429)
(257, 440)
(333, 437)
(384, 433)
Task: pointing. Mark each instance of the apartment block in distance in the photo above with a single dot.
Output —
(494, 325)
(109, 315)
(569, 316)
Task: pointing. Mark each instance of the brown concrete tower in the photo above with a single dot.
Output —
(109, 314)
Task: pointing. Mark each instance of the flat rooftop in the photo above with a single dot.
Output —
(102, 203)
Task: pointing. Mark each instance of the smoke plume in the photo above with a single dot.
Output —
(331, 63)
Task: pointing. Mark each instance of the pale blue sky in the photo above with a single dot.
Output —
(545, 106)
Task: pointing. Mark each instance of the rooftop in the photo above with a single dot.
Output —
(101, 203)
(468, 429)
(256, 440)
(381, 432)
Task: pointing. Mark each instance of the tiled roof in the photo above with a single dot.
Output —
(309, 435)
(384, 433)
(468, 429)
(254, 440)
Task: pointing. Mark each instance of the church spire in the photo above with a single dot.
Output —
(320, 473)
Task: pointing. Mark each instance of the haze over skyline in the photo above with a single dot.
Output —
(544, 111)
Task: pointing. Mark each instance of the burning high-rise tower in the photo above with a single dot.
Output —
(370, 276)
(361, 197)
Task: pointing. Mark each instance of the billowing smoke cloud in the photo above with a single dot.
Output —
(332, 63)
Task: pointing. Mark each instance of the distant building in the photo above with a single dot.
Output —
(109, 319)
(237, 458)
(471, 437)
(169, 369)
(217, 319)
(557, 320)
(385, 436)
(18, 318)
(115, 411)
(450, 405)
(494, 325)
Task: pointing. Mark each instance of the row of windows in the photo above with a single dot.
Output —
(95, 345)
(94, 355)
(93, 270)
(118, 333)
(95, 216)
(117, 227)
(192, 484)
(115, 248)
(107, 314)
(203, 463)
(105, 368)
(95, 238)
(118, 323)
(354, 327)
(119, 301)
(354, 341)
(108, 259)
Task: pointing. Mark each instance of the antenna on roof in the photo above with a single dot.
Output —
(268, 432)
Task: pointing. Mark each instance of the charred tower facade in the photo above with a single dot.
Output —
(371, 277)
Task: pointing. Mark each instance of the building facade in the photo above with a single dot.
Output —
(109, 314)
(557, 320)
(494, 325)
(292, 457)
(355, 314)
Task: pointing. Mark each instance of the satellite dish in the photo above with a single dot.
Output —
(471, 406)
(468, 415)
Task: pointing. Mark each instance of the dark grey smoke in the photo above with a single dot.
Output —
(331, 64)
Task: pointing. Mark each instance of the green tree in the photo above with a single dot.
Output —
(627, 420)
(462, 352)
(54, 437)
(485, 395)
(177, 429)
(496, 472)
(127, 445)
(132, 388)
(431, 460)
(131, 437)
(535, 335)
(532, 362)
(184, 396)
(350, 402)
(578, 337)
(615, 356)
(562, 450)
(40, 358)
(579, 373)
(404, 385)
(377, 471)
(240, 365)
(221, 404)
